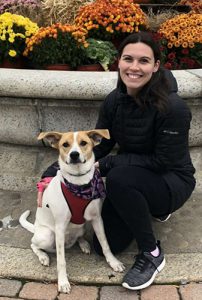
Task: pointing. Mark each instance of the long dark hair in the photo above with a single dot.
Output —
(156, 90)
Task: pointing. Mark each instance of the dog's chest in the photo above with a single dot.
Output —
(77, 205)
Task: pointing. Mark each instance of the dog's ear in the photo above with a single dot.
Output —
(97, 134)
(52, 137)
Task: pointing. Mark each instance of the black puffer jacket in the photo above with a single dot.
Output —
(148, 138)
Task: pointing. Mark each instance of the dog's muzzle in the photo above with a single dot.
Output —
(74, 157)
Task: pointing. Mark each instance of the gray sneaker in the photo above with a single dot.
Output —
(144, 270)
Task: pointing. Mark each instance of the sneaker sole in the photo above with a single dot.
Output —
(162, 221)
(148, 283)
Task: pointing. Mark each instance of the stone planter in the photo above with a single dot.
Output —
(38, 100)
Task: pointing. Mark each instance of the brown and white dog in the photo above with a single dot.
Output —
(53, 228)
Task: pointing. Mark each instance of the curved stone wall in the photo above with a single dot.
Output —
(37, 100)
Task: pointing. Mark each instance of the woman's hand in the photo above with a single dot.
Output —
(96, 165)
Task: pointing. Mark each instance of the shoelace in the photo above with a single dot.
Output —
(140, 261)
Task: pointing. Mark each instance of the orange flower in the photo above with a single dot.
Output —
(182, 28)
(107, 18)
(182, 36)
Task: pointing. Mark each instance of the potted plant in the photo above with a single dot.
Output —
(31, 9)
(14, 30)
(56, 44)
(98, 52)
(111, 19)
(181, 41)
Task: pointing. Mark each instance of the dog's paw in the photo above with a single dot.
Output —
(116, 265)
(85, 246)
(64, 287)
(44, 259)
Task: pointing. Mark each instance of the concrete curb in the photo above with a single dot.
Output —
(23, 264)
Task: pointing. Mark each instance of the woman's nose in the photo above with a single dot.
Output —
(134, 65)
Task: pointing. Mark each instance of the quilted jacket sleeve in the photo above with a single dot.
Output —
(51, 171)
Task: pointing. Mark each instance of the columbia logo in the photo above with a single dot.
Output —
(170, 132)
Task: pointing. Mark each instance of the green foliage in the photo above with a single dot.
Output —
(102, 52)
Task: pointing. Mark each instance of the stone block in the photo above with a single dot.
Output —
(9, 287)
(81, 292)
(117, 293)
(39, 291)
(192, 291)
(160, 292)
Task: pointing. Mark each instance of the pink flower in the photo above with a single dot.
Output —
(185, 51)
(171, 55)
(168, 65)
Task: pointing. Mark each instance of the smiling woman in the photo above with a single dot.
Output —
(136, 66)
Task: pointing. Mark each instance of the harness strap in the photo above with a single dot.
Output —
(76, 204)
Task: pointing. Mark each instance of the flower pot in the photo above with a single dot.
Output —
(17, 64)
(94, 67)
(114, 66)
(58, 67)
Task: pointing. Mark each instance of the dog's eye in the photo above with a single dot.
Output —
(83, 143)
(65, 145)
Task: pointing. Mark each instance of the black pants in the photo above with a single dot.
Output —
(133, 195)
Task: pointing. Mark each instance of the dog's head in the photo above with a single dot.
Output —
(75, 147)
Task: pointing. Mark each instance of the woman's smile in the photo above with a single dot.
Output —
(134, 76)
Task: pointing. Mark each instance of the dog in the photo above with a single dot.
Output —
(57, 225)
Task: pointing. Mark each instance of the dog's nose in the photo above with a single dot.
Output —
(74, 155)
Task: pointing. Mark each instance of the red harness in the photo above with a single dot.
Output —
(77, 205)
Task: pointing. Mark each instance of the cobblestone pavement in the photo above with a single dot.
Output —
(22, 277)
(17, 289)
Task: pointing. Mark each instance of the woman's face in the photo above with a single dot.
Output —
(136, 66)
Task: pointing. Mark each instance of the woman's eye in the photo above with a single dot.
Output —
(127, 59)
(144, 61)
(65, 145)
(83, 143)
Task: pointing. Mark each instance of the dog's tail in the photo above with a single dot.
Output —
(24, 223)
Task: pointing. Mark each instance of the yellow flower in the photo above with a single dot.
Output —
(12, 53)
(14, 29)
(3, 37)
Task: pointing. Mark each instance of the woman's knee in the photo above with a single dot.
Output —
(116, 179)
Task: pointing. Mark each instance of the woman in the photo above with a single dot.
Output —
(152, 173)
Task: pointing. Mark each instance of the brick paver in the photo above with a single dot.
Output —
(81, 293)
(9, 288)
(192, 291)
(15, 290)
(6, 298)
(39, 291)
(117, 293)
(160, 292)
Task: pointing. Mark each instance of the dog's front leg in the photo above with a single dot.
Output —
(114, 263)
(63, 282)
